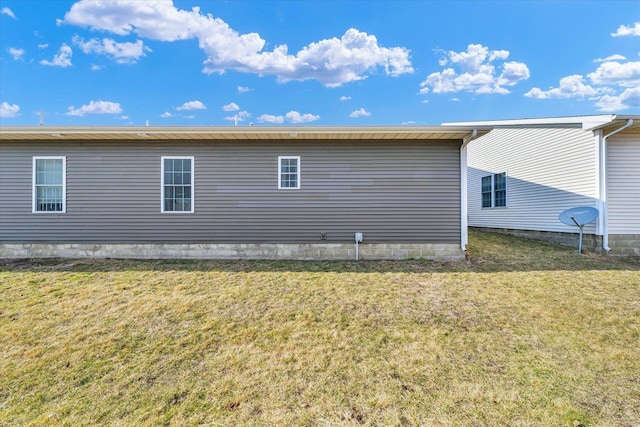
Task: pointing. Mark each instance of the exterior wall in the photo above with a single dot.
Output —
(549, 169)
(392, 191)
(623, 183)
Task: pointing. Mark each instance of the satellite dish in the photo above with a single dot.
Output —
(579, 217)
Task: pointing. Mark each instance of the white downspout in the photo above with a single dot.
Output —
(604, 190)
(464, 223)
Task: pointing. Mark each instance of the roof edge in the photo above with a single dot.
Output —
(239, 132)
(588, 122)
(231, 129)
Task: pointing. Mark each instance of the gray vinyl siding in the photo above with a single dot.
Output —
(623, 165)
(548, 170)
(392, 191)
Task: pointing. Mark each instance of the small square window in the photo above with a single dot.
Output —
(289, 172)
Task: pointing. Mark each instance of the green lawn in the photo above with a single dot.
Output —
(521, 334)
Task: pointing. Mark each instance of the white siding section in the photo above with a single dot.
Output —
(548, 170)
(623, 165)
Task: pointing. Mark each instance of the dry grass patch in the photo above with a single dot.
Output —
(523, 333)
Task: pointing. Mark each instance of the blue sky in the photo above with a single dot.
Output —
(321, 63)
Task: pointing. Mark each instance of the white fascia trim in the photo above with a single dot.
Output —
(34, 196)
(193, 184)
(587, 122)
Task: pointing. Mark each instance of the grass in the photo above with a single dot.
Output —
(521, 334)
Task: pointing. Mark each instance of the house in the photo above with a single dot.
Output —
(524, 173)
(234, 192)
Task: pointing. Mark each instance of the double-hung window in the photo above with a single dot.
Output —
(289, 172)
(49, 184)
(177, 184)
(494, 190)
(500, 190)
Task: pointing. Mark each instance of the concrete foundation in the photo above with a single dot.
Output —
(271, 251)
(625, 244)
(620, 244)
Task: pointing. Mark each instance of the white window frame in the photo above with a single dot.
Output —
(506, 200)
(297, 158)
(493, 191)
(482, 192)
(34, 203)
(193, 183)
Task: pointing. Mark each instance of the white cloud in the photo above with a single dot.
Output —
(269, 118)
(16, 53)
(122, 53)
(95, 67)
(409, 123)
(166, 114)
(61, 59)
(333, 62)
(240, 116)
(345, 98)
(630, 98)
(623, 30)
(9, 110)
(95, 107)
(602, 86)
(8, 12)
(295, 117)
(616, 57)
(474, 71)
(43, 45)
(360, 113)
(615, 73)
(291, 117)
(570, 87)
(512, 73)
(243, 89)
(192, 105)
(231, 107)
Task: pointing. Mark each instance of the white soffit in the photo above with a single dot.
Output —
(21, 133)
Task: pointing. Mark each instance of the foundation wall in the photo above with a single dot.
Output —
(275, 251)
(625, 244)
(620, 244)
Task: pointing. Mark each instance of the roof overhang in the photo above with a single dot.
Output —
(621, 121)
(606, 122)
(232, 133)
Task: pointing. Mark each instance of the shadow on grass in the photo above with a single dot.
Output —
(486, 252)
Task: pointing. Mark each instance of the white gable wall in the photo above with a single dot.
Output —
(623, 165)
(548, 170)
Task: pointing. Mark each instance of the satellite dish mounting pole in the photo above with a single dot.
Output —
(579, 216)
(581, 227)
